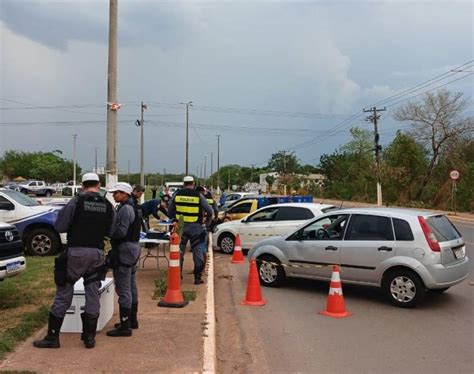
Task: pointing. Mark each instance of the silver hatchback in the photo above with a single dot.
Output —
(405, 252)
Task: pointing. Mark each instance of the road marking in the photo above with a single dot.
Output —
(210, 354)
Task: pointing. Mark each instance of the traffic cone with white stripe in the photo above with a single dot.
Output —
(238, 256)
(335, 305)
(174, 297)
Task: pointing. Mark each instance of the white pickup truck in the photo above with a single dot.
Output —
(36, 187)
(35, 222)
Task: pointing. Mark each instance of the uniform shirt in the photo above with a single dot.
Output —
(128, 251)
(66, 216)
(151, 207)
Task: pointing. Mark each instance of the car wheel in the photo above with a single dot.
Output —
(42, 242)
(404, 288)
(270, 271)
(227, 243)
(438, 290)
(24, 191)
(48, 193)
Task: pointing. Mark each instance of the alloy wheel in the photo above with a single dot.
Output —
(403, 289)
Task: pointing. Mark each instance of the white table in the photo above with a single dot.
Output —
(158, 243)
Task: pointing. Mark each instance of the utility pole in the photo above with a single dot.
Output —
(96, 167)
(197, 175)
(210, 173)
(141, 123)
(111, 162)
(374, 118)
(228, 180)
(205, 169)
(128, 174)
(218, 167)
(188, 104)
(74, 159)
(284, 171)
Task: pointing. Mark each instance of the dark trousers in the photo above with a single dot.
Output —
(198, 248)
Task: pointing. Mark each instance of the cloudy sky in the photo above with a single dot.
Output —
(266, 76)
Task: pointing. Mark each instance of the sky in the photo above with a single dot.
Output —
(266, 76)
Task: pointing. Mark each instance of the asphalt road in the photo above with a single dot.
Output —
(288, 334)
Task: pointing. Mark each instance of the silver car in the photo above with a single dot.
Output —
(405, 252)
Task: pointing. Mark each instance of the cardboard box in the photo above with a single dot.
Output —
(72, 320)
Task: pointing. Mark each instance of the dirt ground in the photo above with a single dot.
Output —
(169, 340)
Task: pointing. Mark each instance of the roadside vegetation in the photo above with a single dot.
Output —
(25, 301)
(161, 285)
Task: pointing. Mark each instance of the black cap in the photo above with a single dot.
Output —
(139, 188)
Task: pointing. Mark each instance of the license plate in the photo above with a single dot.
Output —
(13, 266)
(459, 252)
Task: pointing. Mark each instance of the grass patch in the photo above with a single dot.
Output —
(161, 284)
(24, 302)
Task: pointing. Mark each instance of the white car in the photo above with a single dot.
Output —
(234, 196)
(272, 220)
(12, 261)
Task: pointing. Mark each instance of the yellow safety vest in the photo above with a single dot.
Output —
(188, 207)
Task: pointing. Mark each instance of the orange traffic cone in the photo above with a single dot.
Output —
(238, 256)
(335, 304)
(254, 294)
(174, 297)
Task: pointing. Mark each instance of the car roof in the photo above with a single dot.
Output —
(392, 211)
(312, 206)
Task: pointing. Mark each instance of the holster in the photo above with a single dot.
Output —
(111, 260)
(60, 269)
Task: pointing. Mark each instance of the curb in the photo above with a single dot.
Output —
(209, 359)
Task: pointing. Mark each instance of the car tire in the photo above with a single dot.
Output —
(438, 290)
(23, 191)
(270, 271)
(42, 242)
(48, 194)
(404, 288)
(226, 243)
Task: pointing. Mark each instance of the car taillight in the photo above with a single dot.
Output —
(429, 235)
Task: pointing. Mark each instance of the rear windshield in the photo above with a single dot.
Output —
(442, 228)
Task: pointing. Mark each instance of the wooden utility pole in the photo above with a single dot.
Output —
(374, 118)
(96, 166)
(111, 163)
(188, 104)
(205, 169)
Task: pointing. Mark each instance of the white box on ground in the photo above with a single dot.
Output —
(72, 320)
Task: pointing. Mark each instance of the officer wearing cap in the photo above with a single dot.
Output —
(190, 206)
(87, 218)
(124, 256)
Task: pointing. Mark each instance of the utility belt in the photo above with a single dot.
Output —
(61, 275)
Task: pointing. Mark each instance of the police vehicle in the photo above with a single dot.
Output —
(12, 261)
(35, 222)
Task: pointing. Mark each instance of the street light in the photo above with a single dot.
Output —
(188, 104)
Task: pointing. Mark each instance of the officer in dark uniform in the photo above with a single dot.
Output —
(137, 193)
(210, 200)
(87, 218)
(124, 256)
(190, 206)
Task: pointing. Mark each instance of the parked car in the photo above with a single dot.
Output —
(234, 196)
(12, 261)
(404, 252)
(58, 187)
(37, 188)
(11, 185)
(271, 220)
(34, 222)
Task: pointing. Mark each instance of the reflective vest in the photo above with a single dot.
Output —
(188, 205)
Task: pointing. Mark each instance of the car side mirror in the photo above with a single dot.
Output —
(6, 205)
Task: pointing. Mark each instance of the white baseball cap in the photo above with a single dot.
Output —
(188, 178)
(90, 177)
(123, 187)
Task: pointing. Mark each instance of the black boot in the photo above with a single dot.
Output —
(124, 328)
(51, 340)
(89, 327)
(133, 318)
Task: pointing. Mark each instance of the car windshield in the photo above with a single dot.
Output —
(20, 198)
(442, 228)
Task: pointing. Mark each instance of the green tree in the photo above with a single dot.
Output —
(404, 162)
(361, 144)
(284, 163)
(435, 121)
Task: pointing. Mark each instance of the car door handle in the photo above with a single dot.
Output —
(384, 248)
(331, 248)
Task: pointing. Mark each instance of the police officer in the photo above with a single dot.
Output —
(137, 193)
(87, 218)
(212, 203)
(190, 206)
(124, 256)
